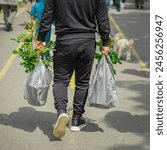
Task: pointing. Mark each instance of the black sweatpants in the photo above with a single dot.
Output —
(70, 55)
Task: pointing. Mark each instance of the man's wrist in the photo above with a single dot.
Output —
(105, 43)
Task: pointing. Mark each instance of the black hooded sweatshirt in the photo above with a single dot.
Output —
(75, 19)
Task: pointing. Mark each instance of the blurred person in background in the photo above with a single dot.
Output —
(37, 10)
(139, 4)
(75, 48)
(9, 8)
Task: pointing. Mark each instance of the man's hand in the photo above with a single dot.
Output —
(105, 50)
(39, 45)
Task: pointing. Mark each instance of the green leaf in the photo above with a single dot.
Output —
(15, 52)
(98, 55)
(26, 71)
(99, 43)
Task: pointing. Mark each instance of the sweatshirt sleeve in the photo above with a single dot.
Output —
(103, 21)
(47, 19)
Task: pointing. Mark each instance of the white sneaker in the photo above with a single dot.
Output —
(59, 128)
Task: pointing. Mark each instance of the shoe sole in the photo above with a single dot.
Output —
(76, 129)
(59, 129)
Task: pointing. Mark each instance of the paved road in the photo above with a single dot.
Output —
(125, 127)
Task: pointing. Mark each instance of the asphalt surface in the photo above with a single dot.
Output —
(125, 127)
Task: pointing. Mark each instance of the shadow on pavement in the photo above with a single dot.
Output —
(28, 119)
(136, 73)
(92, 127)
(126, 122)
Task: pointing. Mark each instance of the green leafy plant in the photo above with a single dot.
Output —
(112, 57)
(30, 56)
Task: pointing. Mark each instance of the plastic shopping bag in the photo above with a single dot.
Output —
(37, 86)
(102, 90)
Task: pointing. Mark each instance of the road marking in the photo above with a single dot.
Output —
(70, 114)
(10, 60)
(72, 139)
(7, 65)
(141, 63)
(72, 82)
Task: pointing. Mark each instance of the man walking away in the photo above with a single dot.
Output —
(9, 11)
(75, 48)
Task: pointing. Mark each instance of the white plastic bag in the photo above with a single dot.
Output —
(37, 86)
(102, 90)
